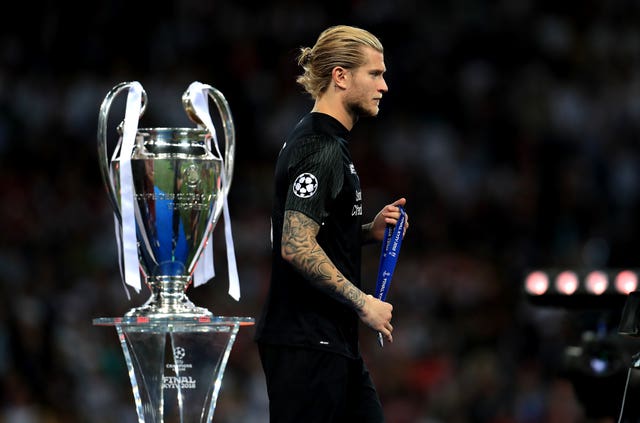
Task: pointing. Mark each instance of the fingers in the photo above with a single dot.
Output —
(387, 332)
(400, 202)
(406, 225)
(394, 207)
(391, 213)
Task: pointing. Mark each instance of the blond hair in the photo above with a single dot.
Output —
(339, 45)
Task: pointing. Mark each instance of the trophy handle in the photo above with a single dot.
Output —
(227, 124)
(102, 140)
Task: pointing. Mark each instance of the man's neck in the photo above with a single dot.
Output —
(332, 106)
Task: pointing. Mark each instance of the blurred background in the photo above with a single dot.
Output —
(510, 126)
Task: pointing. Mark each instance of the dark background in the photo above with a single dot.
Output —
(510, 126)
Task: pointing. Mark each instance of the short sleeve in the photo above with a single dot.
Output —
(315, 176)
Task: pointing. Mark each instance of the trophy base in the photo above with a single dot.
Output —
(154, 308)
(168, 300)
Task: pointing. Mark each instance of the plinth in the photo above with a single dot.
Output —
(176, 364)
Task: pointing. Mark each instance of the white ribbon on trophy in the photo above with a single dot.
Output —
(129, 245)
(204, 269)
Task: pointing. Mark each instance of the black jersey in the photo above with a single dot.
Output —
(315, 175)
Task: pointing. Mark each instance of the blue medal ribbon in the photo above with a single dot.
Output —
(391, 244)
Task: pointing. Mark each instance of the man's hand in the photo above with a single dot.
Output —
(389, 215)
(377, 315)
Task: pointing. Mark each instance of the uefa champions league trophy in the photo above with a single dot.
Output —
(175, 184)
(168, 187)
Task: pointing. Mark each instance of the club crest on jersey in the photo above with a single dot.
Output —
(305, 185)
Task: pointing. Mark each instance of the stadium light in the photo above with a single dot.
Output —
(596, 282)
(593, 288)
(626, 282)
(537, 283)
(567, 282)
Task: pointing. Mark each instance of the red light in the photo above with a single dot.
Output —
(596, 282)
(537, 283)
(626, 282)
(567, 282)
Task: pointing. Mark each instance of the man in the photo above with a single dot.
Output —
(308, 332)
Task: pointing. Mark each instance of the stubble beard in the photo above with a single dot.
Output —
(357, 110)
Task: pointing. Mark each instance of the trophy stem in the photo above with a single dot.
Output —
(168, 299)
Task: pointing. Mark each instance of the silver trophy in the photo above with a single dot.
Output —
(179, 185)
(168, 187)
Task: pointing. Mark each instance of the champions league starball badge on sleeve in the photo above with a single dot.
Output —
(168, 187)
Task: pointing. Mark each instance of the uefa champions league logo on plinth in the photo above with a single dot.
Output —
(180, 380)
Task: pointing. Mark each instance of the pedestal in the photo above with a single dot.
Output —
(178, 380)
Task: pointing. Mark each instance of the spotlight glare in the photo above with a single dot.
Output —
(567, 282)
(537, 283)
(596, 282)
(626, 282)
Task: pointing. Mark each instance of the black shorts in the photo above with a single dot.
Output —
(306, 385)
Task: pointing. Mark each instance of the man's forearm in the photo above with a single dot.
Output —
(300, 248)
(367, 234)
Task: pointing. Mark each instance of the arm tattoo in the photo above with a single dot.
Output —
(301, 249)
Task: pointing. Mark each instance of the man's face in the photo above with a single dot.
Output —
(367, 85)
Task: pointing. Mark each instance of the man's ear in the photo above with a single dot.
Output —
(340, 77)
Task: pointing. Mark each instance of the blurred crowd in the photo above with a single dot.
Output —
(510, 126)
